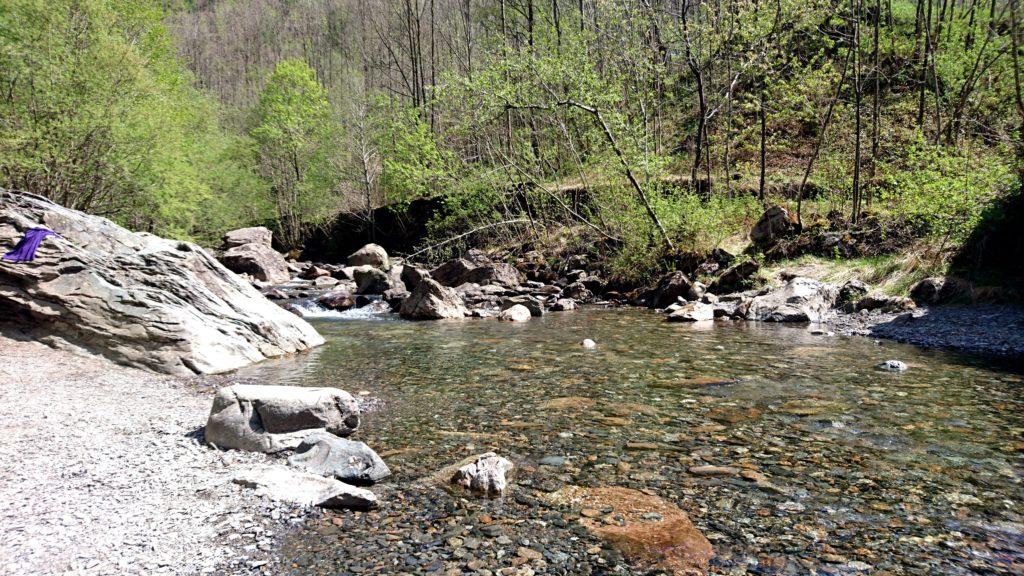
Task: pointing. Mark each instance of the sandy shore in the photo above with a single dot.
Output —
(103, 471)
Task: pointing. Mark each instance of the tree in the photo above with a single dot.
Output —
(296, 134)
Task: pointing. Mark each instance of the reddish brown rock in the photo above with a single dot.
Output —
(654, 534)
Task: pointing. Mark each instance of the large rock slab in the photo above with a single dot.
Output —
(253, 235)
(432, 301)
(260, 418)
(369, 255)
(799, 300)
(349, 461)
(293, 486)
(136, 298)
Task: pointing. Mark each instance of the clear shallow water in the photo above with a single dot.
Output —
(866, 471)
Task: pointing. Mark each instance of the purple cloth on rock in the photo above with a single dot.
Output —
(25, 251)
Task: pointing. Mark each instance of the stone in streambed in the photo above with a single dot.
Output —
(484, 475)
(693, 312)
(432, 301)
(349, 461)
(648, 530)
(893, 366)
(287, 485)
(257, 260)
(259, 418)
(563, 305)
(534, 305)
(674, 286)
(371, 280)
(517, 313)
(336, 300)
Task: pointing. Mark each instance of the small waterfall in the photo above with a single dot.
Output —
(310, 309)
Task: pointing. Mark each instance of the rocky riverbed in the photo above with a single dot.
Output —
(787, 448)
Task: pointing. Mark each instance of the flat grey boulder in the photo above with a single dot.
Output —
(693, 312)
(432, 301)
(253, 235)
(799, 300)
(484, 475)
(285, 484)
(349, 461)
(369, 255)
(136, 298)
(260, 418)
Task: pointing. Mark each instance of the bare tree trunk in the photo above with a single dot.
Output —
(857, 91)
(823, 129)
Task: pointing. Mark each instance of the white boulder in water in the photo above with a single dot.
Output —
(259, 418)
(516, 313)
(588, 343)
(893, 366)
(484, 475)
(136, 298)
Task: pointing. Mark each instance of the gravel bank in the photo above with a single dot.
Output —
(983, 329)
(103, 471)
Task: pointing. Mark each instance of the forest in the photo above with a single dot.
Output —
(653, 127)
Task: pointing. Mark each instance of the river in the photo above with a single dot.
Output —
(849, 469)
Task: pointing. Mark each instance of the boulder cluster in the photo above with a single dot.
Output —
(325, 468)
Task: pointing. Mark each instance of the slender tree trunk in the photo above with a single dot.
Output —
(875, 97)
(762, 114)
(857, 91)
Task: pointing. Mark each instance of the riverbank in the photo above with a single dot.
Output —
(984, 329)
(103, 471)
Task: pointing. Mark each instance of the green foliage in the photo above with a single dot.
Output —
(945, 190)
(97, 113)
(413, 165)
(297, 137)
